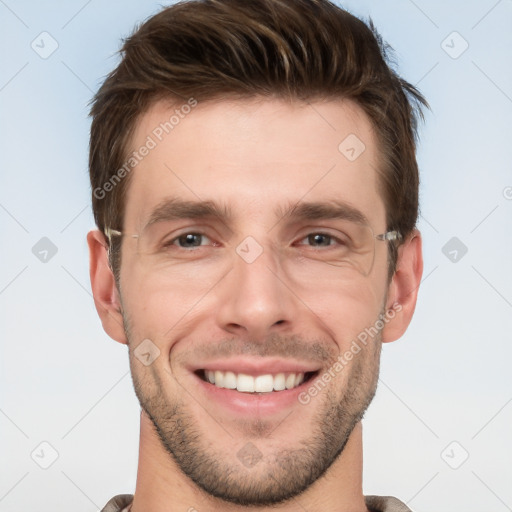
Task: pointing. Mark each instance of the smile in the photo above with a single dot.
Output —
(265, 383)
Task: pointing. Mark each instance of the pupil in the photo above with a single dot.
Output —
(319, 238)
(190, 239)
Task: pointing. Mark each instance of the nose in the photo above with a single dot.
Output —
(255, 299)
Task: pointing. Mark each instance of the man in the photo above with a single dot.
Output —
(255, 189)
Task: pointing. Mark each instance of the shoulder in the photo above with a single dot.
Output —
(385, 504)
(374, 503)
(118, 503)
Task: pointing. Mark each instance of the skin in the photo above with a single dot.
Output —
(252, 156)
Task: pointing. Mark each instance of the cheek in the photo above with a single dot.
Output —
(347, 310)
(160, 306)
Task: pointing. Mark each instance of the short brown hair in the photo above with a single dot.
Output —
(290, 49)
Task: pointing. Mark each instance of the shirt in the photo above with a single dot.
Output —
(123, 503)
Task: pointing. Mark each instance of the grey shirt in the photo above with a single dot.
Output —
(122, 503)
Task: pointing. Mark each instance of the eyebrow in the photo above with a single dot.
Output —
(173, 208)
(322, 210)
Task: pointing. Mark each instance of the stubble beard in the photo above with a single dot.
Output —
(274, 479)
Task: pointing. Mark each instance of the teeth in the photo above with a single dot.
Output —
(249, 384)
(243, 383)
(230, 380)
(279, 382)
(290, 381)
(264, 383)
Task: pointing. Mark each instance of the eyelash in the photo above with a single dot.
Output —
(171, 242)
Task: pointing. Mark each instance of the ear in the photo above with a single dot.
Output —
(403, 288)
(104, 290)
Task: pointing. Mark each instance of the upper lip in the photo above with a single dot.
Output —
(260, 366)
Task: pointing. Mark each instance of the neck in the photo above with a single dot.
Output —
(162, 487)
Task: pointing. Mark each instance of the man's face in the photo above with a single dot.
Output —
(252, 293)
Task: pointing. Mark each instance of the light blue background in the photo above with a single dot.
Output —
(63, 381)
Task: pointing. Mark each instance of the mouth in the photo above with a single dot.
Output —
(251, 387)
(262, 384)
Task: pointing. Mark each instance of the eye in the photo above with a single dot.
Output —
(188, 240)
(321, 240)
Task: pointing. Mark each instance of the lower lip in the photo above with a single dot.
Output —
(253, 403)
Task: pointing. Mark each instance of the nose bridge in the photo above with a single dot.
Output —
(255, 298)
(257, 262)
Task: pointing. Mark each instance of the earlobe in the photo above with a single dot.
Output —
(403, 289)
(104, 290)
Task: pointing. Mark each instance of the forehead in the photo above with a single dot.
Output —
(255, 156)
